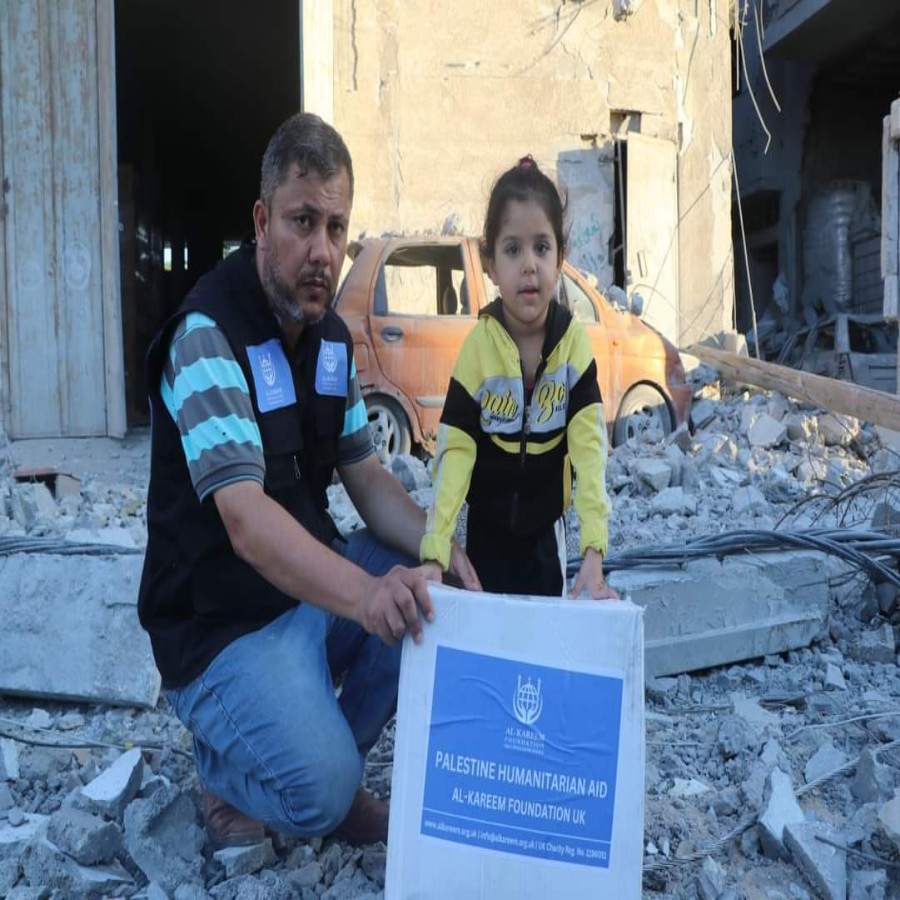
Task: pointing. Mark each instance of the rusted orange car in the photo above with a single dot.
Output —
(410, 302)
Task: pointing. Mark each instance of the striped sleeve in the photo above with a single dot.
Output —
(206, 393)
(355, 442)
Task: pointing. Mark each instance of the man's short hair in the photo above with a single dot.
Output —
(309, 142)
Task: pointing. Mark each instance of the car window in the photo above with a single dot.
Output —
(578, 302)
(406, 287)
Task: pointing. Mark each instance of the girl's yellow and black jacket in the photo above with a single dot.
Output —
(512, 458)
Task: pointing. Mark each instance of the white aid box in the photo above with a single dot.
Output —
(519, 753)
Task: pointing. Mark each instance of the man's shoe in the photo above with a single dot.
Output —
(227, 826)
(367, 821)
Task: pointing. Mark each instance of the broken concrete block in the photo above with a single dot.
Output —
(71, 629)
(874, 781)
(778, 406)
(867, 884)
(702, 413)
(824, 761)
(681, 438)
(688, 787)
(836, 430)
(876, 646)
(15, 838)
(655, 473)
(673, 501)
(31, 503)
(9, 760)
(88, 839)
(162, 837)
(766, 432)
(748, 500)
(781, 810)
(114, 788)
(712, 612)
(45, 864)
(889, 819)
(711, 880)
(6, 798)
(824, 865)
(246, 860)
(812, 470)
(799, 427)
(834, 678)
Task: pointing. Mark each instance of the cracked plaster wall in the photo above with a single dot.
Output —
(435, 100)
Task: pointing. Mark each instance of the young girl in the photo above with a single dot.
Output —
(523, 405)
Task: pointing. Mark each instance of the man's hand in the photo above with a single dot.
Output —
(590, 578)
(393, 607)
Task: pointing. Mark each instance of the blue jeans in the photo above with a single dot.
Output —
(270, 736)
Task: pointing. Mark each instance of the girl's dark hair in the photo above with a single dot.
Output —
(524, 181)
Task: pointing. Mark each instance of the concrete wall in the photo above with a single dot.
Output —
(437, 99)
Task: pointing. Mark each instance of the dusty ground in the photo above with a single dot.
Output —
(828, 716)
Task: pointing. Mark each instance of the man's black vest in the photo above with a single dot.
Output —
(196, 596)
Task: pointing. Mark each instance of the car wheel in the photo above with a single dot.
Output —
(389, 428)
(643, 408)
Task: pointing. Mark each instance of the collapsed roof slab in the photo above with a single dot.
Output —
(71, 631)
(713, 612)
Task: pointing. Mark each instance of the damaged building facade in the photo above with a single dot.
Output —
(131, 133)
(815, 81)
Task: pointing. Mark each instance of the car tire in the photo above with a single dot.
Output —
(389, 428)
(642, 408)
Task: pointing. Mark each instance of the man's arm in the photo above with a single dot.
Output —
(393, 516)
(268, 538)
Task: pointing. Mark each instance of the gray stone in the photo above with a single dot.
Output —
(246, 860)
(748, 499)
(352, 886)
(32, 503)
(88, 839)
(373, 862)
(268, 886)
(9, 875)
(876, 646)
(308, 875)
(800, 427)
(113, 789)
(410, 472)
(45, 864)
(155, 892)
(889, 819)
(781, 810)
(836, 430)
(9, 760)
(711, 880)
(673, 501)
(6, 797)
(163, 839)
(834, 678)
(867, 884)
(766, 432)
(874, 782)
(656, 473)
(824, 865)
(736, 737)
(681, 438)
(824, 761)
(14, 838)
(702, 413)
(713, 612)
(71, 629)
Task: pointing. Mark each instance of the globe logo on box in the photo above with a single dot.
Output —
(528, 702)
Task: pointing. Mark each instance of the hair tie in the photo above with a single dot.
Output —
(526, 162)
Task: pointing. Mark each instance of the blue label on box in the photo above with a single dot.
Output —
(522, 758)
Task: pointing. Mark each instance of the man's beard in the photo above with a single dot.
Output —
(282, 300)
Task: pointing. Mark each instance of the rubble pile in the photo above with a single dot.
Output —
(775, 778)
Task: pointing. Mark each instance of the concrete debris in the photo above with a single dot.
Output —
(115, 788)
(824, 864)
(782, 809)
(775, 644)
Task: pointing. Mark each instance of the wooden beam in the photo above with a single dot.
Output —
(835, 396)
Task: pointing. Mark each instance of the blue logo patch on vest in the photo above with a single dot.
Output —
(271, 376)
(331, 369)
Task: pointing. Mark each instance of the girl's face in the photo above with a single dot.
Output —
(524, 264)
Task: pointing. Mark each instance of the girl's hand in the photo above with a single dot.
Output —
(590, 578)
(461, 566)
(432, 571)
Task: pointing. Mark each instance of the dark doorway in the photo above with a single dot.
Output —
(201, 86)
